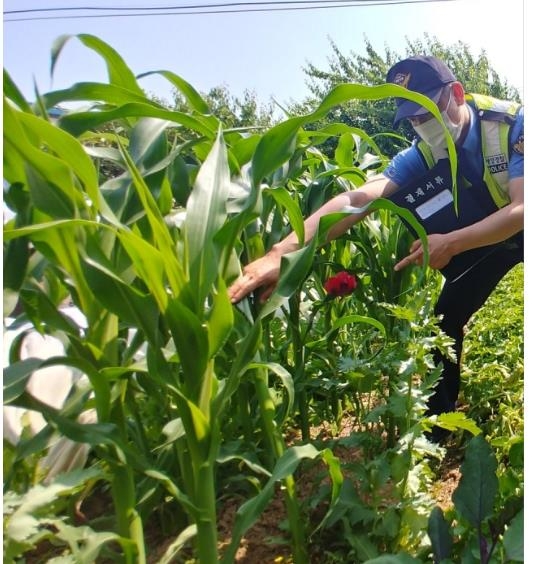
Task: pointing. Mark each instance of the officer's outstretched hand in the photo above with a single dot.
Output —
(439, 249)
(263, 272)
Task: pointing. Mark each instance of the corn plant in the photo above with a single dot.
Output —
(146, 256)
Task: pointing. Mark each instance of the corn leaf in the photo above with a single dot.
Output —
(275, 148)
(12, 92)
(47, 167)
(16, 377)
(119, 73)
(294, 213)
(286, 465)
(67, 149)
(192, 344)
(193, 98)
(118, 296)
(247, 348)
(205, 215)
(162, 240)
(79, 122)
(287, 380)
(149, 265)
(220, 319)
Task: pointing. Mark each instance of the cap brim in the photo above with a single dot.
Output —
(407, 108)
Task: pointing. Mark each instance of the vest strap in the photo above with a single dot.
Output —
(496, 117)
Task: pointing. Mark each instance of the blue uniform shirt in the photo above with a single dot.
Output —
(409, 164)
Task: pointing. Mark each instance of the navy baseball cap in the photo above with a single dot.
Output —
(424, 74)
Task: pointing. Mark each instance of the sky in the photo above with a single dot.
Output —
(263, 52)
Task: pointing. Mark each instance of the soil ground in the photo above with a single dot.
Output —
(266, 543)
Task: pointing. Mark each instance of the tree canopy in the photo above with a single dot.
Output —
(376, 117)
(233, 111)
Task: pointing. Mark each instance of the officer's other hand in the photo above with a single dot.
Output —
(439, 250)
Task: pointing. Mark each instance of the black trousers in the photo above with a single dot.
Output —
(457, 302)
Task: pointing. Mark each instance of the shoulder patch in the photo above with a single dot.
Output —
(519, 145)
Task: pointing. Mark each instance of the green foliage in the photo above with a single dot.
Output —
(285, 466)
(440, 535)
(474, 71)
(30, 519)
(234, 112)
(475, 503)
(493, 353)
(139, 215)
(476, 491)
(369, 69)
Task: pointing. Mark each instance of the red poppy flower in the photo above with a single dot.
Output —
(342, 284)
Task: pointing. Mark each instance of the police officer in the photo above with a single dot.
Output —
(473, 251)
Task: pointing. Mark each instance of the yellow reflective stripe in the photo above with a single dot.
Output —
(504, 130)
(484, 102)
(494, 137)
(493, 134)
(500, 198)
(494, 141)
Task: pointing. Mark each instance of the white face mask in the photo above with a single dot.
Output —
(433, 133)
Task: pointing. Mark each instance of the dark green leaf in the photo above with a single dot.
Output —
(46, 196)
(295, 268)
(247, 349)
(123, 299)
(366, 550)
(16, 377)
(178, 174)
(16, 256)
(440, 534)
(514, 538)
(401, 558)
(475, 495)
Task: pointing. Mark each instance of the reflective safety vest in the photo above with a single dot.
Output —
(495, 118)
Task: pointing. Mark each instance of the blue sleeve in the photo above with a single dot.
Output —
(517, 144)
(405, 166)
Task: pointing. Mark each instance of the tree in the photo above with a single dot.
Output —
(475, 72)
(232, 110)
(376, 117)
